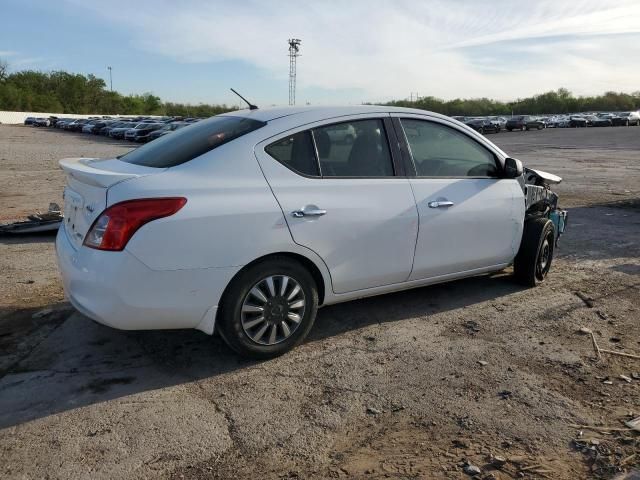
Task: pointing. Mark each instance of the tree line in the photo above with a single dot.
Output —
(63, 92)
(556, 101)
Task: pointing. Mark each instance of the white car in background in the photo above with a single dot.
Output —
(248, 221)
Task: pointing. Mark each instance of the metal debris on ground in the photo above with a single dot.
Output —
(634, 424)
(49, 221)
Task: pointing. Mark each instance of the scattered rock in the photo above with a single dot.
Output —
(505, 394)
(42, 313)
(460, 443)
(634, 424)
(370, 338)
(635, 376)
(483, 363)
(615, 340)
(626, 379)
(472, 470)
(465, 422)
(373, 411)
(498, 461)
(588, 301)
(471, 325)
(608, 382)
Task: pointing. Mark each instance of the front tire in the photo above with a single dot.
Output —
(269, 308)
(533, 261)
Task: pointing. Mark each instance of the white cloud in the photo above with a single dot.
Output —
(387, 49)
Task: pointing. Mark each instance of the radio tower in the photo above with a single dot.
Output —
(294, 48)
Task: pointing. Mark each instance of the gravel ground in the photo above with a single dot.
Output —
(415, 384)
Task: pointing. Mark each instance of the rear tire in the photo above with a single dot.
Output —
(533, 261)
(261, 292)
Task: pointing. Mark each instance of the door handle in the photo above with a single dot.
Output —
(308, 211)
(440, 203)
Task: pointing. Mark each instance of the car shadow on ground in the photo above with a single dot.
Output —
(76, 362)
(15, 238)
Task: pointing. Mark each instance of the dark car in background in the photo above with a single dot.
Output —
(578, 121)
(165, 130)
(62, 122)
(118, 132)
(535, 123)
(115, 124)
(483, 126)
(141, 130)
(602, 120)
(97, 126)
(625, 119)
(516, 123)
(76, 125)
(30, 120)
(42, 122)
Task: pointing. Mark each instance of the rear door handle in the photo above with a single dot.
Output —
(308, 211)
(440, 203)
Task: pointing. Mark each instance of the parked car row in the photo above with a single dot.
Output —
(530, 122)
(134, 129)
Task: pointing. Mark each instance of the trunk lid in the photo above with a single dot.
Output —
(85, 196)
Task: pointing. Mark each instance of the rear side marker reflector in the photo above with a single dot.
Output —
(113, 229)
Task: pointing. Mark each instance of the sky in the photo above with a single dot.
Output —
(352, 51)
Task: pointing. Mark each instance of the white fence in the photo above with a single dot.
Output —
(18, 117)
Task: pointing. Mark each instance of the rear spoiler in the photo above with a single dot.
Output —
(103, 173)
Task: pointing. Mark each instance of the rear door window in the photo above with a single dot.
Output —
(354, 149)
(190, 142)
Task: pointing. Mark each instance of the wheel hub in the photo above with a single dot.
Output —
(276, 309)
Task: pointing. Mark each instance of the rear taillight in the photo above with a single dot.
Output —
(113, 229)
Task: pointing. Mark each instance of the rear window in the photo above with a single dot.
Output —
(190, 142)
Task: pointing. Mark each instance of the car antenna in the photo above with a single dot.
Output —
(251, 105)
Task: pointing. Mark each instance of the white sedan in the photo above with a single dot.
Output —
(247, 222)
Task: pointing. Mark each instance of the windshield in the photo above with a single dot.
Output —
(191, 142)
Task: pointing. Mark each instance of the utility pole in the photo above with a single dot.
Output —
(294, 48)
(110, 79)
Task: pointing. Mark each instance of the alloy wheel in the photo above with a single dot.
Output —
(273, 309)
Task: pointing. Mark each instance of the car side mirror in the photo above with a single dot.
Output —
(512, 168)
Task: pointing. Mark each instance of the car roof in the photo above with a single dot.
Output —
(313, 113)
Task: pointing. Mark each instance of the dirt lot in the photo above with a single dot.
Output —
(408, 385)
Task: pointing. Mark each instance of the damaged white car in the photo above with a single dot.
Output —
(247, 222)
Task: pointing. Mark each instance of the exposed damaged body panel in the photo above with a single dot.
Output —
(540, 200)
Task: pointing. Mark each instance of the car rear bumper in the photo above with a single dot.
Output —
(118, 290)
